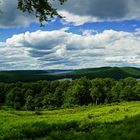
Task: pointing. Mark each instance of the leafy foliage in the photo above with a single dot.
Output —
(59, 94)
(42, 9)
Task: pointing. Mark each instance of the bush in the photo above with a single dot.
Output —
(37, 111)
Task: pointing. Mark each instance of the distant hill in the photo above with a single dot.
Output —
(35, 75)
(111, 72)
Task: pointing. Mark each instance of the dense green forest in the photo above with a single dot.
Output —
(50, 75)
(62, 94)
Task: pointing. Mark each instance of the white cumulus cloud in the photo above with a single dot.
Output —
(62, 49)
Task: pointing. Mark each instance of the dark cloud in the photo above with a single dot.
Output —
(11, 16)
(102, 9)
(81, 11)
(87, 10)
(39, 53)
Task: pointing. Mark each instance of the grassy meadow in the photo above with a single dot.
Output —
(120, 121)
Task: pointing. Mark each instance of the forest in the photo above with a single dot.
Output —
(57, 74)
(57, 94)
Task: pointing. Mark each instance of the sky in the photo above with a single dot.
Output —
(93, 33)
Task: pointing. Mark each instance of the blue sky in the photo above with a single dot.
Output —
(126, 26)
(93, 34)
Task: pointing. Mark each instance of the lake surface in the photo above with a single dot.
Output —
(65, 79)
(56, 72)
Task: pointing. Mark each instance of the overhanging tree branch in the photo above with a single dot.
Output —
(42, 9)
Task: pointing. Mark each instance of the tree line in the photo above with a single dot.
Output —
(62, 94)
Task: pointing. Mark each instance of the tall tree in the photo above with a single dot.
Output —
(97, 91)
(78, 93)
(15, 98)
(29, 104)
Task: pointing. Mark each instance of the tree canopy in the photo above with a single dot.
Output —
(42, 9)
(61, 94)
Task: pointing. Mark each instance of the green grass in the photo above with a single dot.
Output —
(106, 122)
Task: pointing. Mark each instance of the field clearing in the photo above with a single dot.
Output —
(104, 122)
